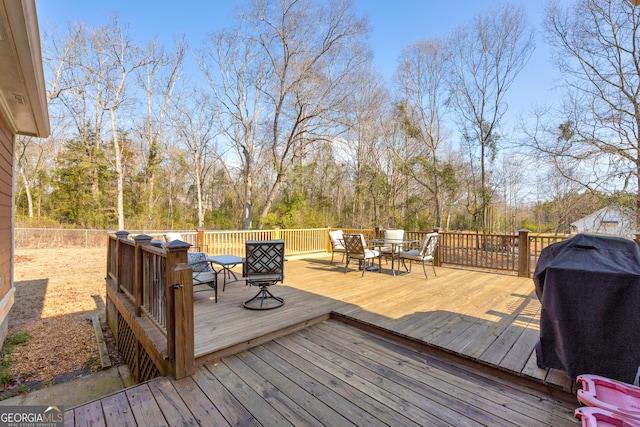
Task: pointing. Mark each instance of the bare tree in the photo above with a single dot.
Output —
(77, 86)
(422, 75)
(158, 79)
(595, 142)
(121, 58)
(487, 56)
(32, 154)
(312, 48)
(362, 149)
(92, 82)
(195, 122)
(238, 81)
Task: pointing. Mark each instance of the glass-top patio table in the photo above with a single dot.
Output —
(395, 247)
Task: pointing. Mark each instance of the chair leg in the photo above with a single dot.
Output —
(213, 285)
(340, 260)
(424, 268)
(404, 264)
(262, 295)
(434, 268)
(347, 264)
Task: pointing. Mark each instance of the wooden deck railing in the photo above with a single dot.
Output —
(150, 287)
(496, 252)
(489, 251)
(150, 305)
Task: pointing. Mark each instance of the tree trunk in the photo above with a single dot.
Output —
(200, 203)
(248, 193)
(27, 190)
(117, 152)
(270, 198)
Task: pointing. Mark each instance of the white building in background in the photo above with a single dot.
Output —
(612, 220)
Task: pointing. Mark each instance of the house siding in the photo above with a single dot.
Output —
(7, 140)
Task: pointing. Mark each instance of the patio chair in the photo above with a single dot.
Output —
(357, 248)
(264, 267)
(423, 254)
(170, 237)
(203, 273)
(390, 244)
(337, 245)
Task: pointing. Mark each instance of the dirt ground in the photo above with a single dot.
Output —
(57, 293)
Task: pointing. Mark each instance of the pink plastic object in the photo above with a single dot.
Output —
(598, 417)
(614, 396)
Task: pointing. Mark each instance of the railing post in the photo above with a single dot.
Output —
(141, 240)
(120, 235)
(377, 232)
(436, 255)
(523, 253)
(276, 232)
(110, 250)
(327, 240)
(176, 253)
(184, 362)
(200, 239)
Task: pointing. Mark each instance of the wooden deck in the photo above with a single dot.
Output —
(456, 349)
(491, 318)
(329, 374)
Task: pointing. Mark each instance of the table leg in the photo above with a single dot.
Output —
(393, 257)
(228, 273)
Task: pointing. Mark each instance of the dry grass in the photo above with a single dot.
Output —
(57, 293)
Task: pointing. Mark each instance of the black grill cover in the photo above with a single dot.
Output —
(589, 288)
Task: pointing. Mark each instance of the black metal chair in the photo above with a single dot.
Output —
(263, 266)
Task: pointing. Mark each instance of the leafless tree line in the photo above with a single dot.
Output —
(284, 121)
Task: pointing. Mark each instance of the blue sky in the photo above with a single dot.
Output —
(396, 24)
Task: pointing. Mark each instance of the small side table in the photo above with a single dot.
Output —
(226, 262)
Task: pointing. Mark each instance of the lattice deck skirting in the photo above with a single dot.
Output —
(140, 364)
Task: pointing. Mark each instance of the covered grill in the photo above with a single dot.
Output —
(589, 288)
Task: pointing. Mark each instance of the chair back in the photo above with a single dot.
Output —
(198, 261)
(393, 236)
(170, 237)
(354, 244)
(429, 244)
(336, 237)
(264, 259)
